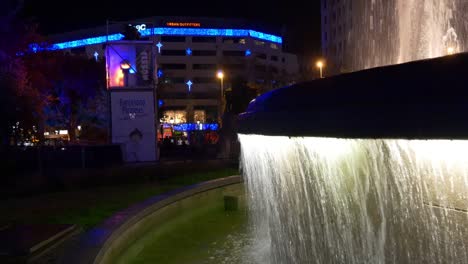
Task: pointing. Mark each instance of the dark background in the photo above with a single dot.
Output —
(300, 18)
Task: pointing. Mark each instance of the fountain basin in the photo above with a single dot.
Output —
(111, 241)
(420, 99)
(366, 167)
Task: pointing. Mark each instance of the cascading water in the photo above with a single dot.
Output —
(376, 33)
(328, 200)
(426, 29)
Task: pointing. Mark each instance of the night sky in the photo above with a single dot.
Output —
(302, 22)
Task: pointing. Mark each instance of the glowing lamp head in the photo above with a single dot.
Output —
(220, 75)
(450, 50)
(319, 64)
(125, 65)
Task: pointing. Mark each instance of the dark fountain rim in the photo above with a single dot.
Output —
(425, 99)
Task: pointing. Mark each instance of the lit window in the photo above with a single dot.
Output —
(199, 116)
(259, 43)
(175, 117)
(273, 46)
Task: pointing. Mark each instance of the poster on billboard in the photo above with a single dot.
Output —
(133, 123)
(129, 64)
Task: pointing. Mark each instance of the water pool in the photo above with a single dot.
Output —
(200, 231)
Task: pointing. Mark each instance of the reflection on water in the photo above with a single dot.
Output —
(240, 247)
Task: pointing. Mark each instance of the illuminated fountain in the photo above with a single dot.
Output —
(368, 167)
(426, 28)
(387, 32)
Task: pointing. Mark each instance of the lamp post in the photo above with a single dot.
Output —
(125, 66)
(320, 66)
(220, 76)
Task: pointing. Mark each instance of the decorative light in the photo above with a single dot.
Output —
(194, 126)
(86, 42)
(188, 51)
(160, 73)
(159, 45)
(169, 31)
(189, 85)
(248, 53)
(96, 55)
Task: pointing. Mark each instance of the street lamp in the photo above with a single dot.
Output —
(220, 76)
(320, 65)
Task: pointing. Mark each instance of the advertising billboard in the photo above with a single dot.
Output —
(133, 123)
(129, 64)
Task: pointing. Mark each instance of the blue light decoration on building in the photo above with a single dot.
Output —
(160, 103)
(160, 73)
(132, 71)
(34, 47)
(189, 85)
(170, 31)
(96, 55)
(248, 53)
(188, 51)
(86, 42)
(159, 45)
(186, 127)
(264, 36)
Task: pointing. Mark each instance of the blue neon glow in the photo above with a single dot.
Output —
(170, 31)
(248, 53)
(159, 45)
(34, 47)
(96, 55)
(86, 42)
(160, 102)
(132, 71)
(264, 36)
(192, 126)
(188, 51)
(189, 84)
(160, 73)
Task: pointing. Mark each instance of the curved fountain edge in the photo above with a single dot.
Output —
(95, 243)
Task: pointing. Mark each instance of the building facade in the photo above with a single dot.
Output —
(189, 54)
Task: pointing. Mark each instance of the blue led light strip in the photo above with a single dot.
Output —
(170, 31)
(86, 42)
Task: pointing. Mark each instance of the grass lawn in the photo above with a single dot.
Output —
(87, 208)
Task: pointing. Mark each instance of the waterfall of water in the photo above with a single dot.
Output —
(327, 200)
(426, 29)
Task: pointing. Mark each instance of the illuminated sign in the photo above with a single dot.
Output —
(140, 27)
(183, 24)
